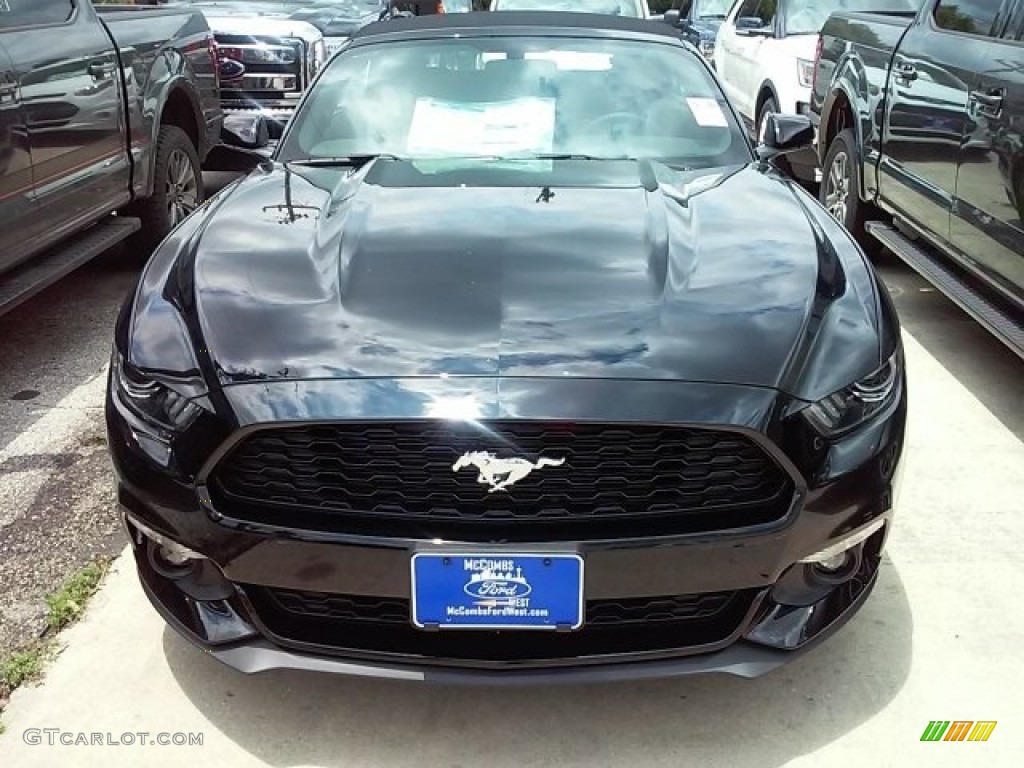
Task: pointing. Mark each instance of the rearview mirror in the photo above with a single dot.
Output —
(783, 134)
(671, 17)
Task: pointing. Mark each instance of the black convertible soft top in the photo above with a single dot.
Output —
(542, 21)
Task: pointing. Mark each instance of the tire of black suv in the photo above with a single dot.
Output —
(177, 187)
(840, 189)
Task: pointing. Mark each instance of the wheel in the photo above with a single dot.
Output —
(768, 108)
(840, 189)
(177, 187)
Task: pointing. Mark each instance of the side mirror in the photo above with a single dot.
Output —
(671, 17)
(751, 26)
(783, 134)
(245, 131)
(245, 141)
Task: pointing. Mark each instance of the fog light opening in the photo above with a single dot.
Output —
(837, 568)
(169, 562)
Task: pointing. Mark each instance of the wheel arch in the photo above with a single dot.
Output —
(837, 115)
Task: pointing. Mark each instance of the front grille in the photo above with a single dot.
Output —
(378, 626)
(396, 479)
(274, 69)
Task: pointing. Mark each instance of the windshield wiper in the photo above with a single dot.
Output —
(569, 156)
(346, 161)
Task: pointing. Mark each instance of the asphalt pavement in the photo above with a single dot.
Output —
(939, 639)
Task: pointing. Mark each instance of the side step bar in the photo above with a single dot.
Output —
(997, 319)
(25, 281)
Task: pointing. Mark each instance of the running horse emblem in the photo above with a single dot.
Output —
(501, 473)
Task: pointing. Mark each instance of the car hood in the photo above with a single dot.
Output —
(622, 270)
(331, 19)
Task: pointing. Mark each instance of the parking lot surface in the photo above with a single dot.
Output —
(938, 640)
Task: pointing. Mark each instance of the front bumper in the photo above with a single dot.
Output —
(743, 601)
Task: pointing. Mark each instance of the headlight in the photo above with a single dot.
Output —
(805, 72)
(843, 410)
(317, 57)
(151, 400)
(334, 44)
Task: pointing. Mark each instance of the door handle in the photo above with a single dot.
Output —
(906, 71)
(989, 102)
(100, 69)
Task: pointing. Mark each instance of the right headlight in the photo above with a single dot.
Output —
(853, 405)
(150, 400)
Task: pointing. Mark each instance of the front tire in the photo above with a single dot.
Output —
(768, 108)
(840, 189)
(177, 187)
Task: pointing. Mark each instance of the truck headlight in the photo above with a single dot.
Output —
(334, 44)
(150, 400)
(805, 72)
(853, 405)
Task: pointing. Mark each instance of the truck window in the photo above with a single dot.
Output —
(24, 13)
(761, 9)
(975, 17)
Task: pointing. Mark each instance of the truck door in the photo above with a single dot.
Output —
(988, 214)
(16, 202)
(70, 92)
(926, 111)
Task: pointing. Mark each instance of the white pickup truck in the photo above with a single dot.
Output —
(764, 56)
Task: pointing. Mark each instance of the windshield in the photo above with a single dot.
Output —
(630, 8)
(713, 9)
(807, 17)
(517, 97)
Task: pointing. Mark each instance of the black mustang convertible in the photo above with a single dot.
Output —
(516, 362)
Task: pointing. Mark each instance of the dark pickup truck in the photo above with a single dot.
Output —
(921, 142)
(106, 113)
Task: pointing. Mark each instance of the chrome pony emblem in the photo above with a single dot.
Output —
(500, 473)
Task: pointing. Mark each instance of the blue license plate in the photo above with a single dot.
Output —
(497, 591)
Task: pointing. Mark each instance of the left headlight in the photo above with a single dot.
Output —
(334, 44)
(150, 400)
(853, 405)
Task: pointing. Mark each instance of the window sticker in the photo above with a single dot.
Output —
(707, 112)
(520, 126)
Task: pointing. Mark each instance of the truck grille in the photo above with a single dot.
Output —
(272, 71)
(396, 479)
(380, 626)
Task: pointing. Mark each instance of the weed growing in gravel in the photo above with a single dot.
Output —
(68, 602)
(65, 606)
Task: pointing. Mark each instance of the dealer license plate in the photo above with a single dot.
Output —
(497, 591)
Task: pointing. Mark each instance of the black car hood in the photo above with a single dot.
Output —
(620, 272)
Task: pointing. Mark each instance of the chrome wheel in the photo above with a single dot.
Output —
(837, 186)
(182, 187)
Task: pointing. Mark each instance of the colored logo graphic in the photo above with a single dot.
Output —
(958, 730)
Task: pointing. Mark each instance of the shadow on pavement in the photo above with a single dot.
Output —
(296, 718)
(990, 370)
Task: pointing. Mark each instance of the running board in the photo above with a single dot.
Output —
(39, 272)
(996, 319)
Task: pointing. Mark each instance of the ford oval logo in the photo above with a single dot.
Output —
(498, 588)
(231, 69)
